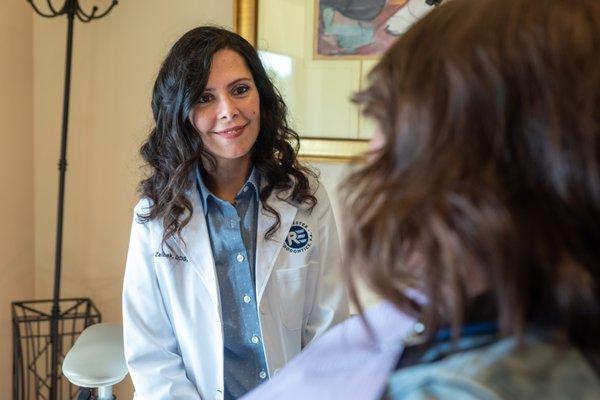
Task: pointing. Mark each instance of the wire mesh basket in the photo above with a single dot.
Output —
(32, 348)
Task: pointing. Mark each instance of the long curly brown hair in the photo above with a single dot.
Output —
(174, 149)
(491, 164)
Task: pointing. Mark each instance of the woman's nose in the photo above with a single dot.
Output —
(227, 108)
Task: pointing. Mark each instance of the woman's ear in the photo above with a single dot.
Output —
(377, 141)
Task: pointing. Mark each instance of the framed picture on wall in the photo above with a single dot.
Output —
(318, 54)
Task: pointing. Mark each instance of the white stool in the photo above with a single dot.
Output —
(96, 360)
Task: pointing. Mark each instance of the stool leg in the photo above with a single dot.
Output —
(105, 393)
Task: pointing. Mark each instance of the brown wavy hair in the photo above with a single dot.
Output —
(490, 110)
(174, 149)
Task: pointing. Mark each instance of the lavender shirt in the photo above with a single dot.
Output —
(344, 363)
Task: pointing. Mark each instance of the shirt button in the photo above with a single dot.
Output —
(245, 189)
(262, 375)
(419, 328)
(240, 257)
(254, 339)
(247, 298)
(232, 223)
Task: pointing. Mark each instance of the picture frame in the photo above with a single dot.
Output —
(319, 85)
(317, 146)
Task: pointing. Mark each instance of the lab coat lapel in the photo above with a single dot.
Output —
(267, 250)
(195, 244)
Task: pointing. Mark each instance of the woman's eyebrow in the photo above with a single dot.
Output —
(230, 84)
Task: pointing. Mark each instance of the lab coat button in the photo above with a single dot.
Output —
(240, 257)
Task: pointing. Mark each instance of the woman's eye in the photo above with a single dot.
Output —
(241, 90)
(205, 98)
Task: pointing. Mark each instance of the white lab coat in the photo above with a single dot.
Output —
(171, 308)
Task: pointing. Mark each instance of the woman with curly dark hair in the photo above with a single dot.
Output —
(233, 258)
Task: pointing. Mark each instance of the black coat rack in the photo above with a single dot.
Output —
(71, 9)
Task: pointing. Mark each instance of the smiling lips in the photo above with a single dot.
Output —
(231, 133)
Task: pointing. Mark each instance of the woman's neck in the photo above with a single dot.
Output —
(226, 180)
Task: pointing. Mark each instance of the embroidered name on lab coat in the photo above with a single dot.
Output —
(160, 254)
(299, 238)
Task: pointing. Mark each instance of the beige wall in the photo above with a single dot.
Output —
(114, 64)
(16, 172)
(332, 174)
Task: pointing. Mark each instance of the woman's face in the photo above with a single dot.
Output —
(228, 114)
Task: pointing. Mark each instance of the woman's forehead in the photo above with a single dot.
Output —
(227, 66)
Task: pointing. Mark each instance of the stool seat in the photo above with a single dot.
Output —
(97, 358)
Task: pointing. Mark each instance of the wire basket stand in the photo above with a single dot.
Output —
(32, 351)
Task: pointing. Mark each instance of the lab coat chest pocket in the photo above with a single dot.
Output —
(291, 287)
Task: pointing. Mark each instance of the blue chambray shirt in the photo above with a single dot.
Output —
(232, 230)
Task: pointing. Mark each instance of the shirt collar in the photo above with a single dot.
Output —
(253, 182)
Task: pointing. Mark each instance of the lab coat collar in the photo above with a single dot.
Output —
(195, 244)
(267, 249)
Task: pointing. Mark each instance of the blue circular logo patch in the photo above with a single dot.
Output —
(299, 238)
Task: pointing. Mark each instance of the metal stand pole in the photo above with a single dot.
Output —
(62, 167)
(72, 9)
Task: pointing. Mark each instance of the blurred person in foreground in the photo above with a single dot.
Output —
(476, 216)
